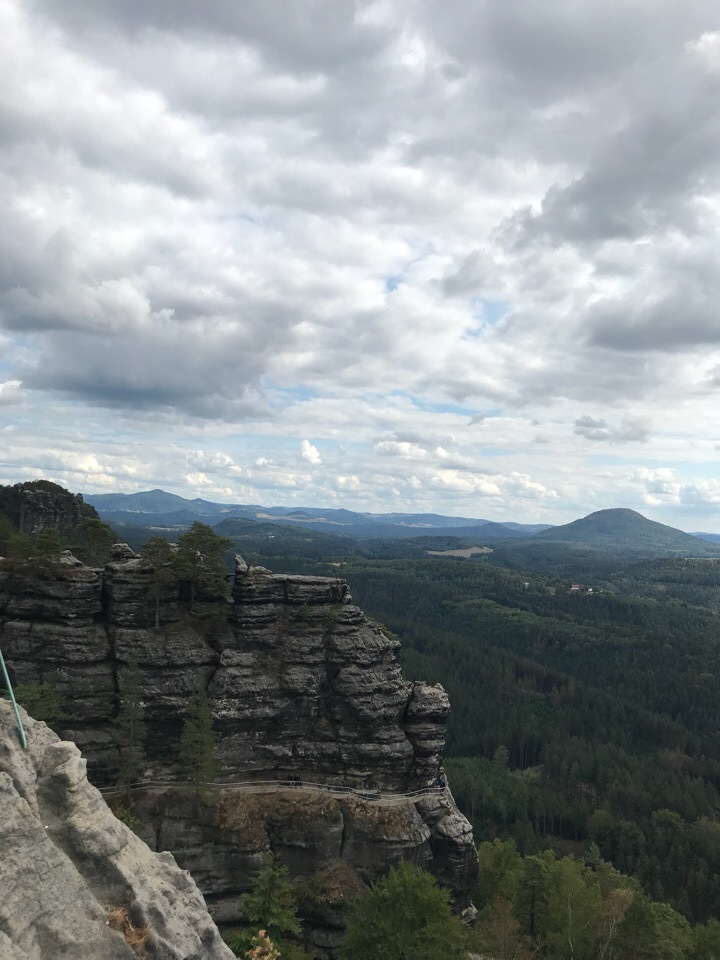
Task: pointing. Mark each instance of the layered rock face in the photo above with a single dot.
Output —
(47, 510)
(314, 836)
(67, 864)
(300, 682)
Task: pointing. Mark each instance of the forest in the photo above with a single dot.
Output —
(578, 717)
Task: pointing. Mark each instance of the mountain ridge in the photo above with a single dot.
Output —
(159, 508)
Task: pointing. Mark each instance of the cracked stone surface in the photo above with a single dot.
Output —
(67, 861)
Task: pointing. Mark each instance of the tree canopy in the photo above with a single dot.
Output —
(404, 916)
(200, 561)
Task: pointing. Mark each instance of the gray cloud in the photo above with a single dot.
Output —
(311, 36)
(672, 307)
(629, 430)
(644, 180)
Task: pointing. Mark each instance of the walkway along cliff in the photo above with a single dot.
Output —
(300, 683)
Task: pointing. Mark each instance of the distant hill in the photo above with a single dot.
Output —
(710, 537)
(626, 531)
(158, 502)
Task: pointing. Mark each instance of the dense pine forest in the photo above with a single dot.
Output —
(579, 716)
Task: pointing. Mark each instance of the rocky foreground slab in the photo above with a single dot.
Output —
(75, 883)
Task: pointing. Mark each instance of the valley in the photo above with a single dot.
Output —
(584, 678)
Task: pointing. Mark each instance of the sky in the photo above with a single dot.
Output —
(405, 255)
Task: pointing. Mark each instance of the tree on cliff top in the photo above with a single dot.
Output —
(404, 916)
(200, 561)
(11, 499)
(158, 552)
(92, 540)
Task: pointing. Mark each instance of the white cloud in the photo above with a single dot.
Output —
(402, 449)
(347, 483)
(11, 392)
(310, 453)
(629, 430)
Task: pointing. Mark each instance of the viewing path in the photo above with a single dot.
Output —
(365, 795)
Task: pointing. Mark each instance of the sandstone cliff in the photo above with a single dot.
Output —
(40, 505)
(70, 873)
(300, 683)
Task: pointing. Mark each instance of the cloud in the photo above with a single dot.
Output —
(323, 33)
(347, 483)
(310, 453)
(11, 392)
(404, 449)
(405, 236)
(629, 430)
(661, 486)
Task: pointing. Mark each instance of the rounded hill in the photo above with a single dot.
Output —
(626, 531)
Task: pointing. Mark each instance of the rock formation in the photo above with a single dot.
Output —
(41, 505)
(73, 878)
(300, 683)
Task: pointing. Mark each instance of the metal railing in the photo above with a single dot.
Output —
(6, 677)
(364, 794)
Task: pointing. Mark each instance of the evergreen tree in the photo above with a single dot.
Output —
(197, 750)
(200, 561)
(92, 540)
(271, 903)
(161, 556)
(707, 941)
(534, 888)
(49, 544)
(130, 729)
(7, 532)
(404, 916)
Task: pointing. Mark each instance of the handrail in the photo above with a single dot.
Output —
(21, 729)
(365, 794)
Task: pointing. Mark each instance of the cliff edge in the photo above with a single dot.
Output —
(300, 685)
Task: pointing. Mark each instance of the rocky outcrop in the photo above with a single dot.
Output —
(40, 505)
(299, 680)
(300, 683)
(44, 510)
(70, 873)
